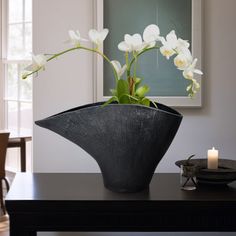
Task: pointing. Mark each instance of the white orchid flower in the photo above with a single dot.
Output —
(119, 70)
(181, 45)
(188, 72)
(39, 61)
(193, 88)
(167, 51)
(98, 37)
(171, 40)
(173, 45)
(183, 59)
(75, 38)
(132, 43)
(151, 34)
(169, 44)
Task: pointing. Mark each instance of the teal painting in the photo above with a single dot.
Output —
(132, 16)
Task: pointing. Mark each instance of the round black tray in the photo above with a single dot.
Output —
(225, 174)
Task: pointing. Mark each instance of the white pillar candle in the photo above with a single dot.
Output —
(212, 158)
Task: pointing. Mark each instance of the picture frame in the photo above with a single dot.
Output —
(196, 49)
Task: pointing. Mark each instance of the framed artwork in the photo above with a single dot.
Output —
(131, 16)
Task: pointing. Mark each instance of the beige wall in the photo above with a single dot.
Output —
(66, 83)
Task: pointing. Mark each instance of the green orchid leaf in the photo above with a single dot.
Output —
(142, 91)
(128, 99)
(112, 99)
(124, 99)
(137, 82)
(132, 98)
(145, 102)
(154, 104)
(122, 88)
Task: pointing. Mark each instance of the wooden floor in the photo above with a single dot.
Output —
(4, 225)
(4, 221)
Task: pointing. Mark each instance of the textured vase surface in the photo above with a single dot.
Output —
(127, 141)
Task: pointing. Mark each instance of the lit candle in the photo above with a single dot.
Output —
(212, 159)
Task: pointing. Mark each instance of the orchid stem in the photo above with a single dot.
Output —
(127, 63)
(76, 48)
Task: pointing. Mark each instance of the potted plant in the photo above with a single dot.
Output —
(128, 134)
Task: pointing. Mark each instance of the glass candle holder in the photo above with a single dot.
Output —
(188, 177)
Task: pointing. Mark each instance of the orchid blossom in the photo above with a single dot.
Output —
(169, 45)
(98, 37)
(132, 43)
(183, 59)
(131, 90)
(182, 45)
(189, 71)
(119, 70)
(151, 34)
(75, 38)
(173, 45)
(38, 62)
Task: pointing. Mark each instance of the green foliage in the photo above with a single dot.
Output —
(145, 102)
(112, 99)
(137, 82)
(122, 88)
(121, 94)
(142, 91)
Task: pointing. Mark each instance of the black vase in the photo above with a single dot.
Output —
(127, 141)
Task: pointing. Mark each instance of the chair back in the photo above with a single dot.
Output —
(4, 136)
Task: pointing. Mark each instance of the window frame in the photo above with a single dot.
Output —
(4, 62)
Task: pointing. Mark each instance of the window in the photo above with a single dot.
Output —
(16, 54)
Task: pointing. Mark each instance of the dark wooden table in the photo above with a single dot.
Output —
(79, 202)
(19, 140)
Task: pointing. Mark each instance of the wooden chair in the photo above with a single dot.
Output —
(3, 149)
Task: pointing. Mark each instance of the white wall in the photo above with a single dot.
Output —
(68, 83)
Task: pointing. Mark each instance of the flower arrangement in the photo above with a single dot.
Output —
(129, 88)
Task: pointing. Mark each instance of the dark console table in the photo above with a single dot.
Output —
(79, 202)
